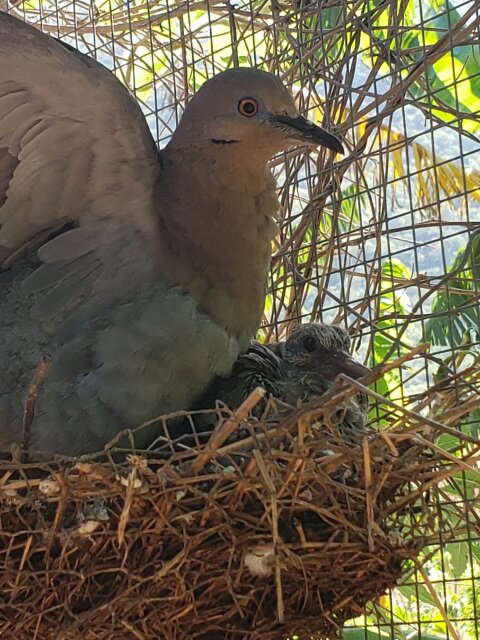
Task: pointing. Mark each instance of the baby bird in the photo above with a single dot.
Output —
(295, 371)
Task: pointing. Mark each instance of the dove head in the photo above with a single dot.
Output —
(323, 348)
(250, 111)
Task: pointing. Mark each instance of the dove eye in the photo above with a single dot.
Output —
(310, 344)
(248, 107)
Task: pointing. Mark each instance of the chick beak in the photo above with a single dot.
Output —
(299, 128)
(346, 364)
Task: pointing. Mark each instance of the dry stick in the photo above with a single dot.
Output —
(335, 395)
(38, 377)
(23, 561)
(436, 599)
(392, 98)
(466, 407)
(378, 372)
(447, 537)
(227, 428)
(460, 511)
(420, 281)
(413, 495)
(276, 538)
(442, 282)
(85, 28)
(125, 515)
(434, 52)
(138, 634)
(388, 441)
(411, 414)
(444, 384)
(367, 470)
(61, 504)
(31, 483)
(464, 463)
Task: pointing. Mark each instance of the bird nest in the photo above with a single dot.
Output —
(285, 530)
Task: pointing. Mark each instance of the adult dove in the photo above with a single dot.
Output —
(294, 371)
(140, 273)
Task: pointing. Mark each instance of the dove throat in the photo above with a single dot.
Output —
(216, 216)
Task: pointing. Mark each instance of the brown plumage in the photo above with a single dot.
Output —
(141, 273)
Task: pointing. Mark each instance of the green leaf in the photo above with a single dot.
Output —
(392, 302)
(350, 207)
(365, 634)
(463, 322)
(458, 552)
(452, 82)
(417, 592)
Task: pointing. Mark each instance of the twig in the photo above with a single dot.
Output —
(436, 599)
(225, 430)
(38, 377)
(427, 422)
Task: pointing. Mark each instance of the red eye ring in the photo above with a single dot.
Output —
(248, 107)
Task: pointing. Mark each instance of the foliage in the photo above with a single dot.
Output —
(461, 295)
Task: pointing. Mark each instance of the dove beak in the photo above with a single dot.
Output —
(299, 128)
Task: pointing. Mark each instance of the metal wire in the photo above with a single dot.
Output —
(362, 241)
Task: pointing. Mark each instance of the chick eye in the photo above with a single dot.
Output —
(310, 344)
(248, 107)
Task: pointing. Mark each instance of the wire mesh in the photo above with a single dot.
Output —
(368, 241)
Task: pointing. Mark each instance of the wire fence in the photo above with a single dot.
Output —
(384, 240)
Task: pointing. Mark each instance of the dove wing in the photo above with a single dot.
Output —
(75, 149)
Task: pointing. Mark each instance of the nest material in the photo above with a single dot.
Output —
(289, 530)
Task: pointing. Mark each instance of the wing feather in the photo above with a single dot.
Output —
(74, 144)
(78, 167)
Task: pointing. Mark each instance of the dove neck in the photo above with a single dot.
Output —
(216, 223)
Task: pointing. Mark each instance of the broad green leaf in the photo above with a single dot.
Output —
(420, 592)
(365, 634)
(458, 552)
(464, 321)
